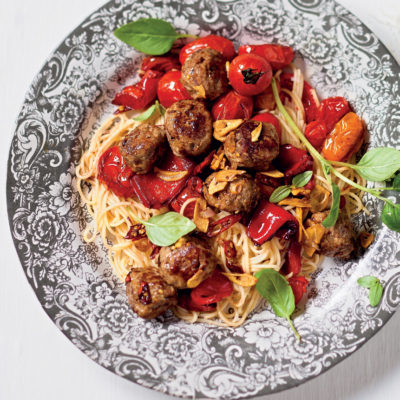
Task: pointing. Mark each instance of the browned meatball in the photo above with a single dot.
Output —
(204, 74)
(148, 294)
(257, 154)
(339, 240)
(189, 128)
(239, 195)
(188, 258)
(142, 147)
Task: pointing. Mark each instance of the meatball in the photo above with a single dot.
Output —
(241, 194)
(148, 294)
(204, 74)
(142, 147)
(339, 240)
(257, 153)
(188, 258)
(189, 128)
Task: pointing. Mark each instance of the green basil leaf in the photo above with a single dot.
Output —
(332, 217)
(276, 290)
(279, 194)
(161, 108)
(391, 216)
(396, 183)
(301, 180)
(379, 164)
(166, 229)
(146, 114)
(375, 294)
(148, 35)
(367, 281)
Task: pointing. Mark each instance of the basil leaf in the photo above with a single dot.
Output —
(301, 180)
(391, 216)
(148, 35)
(161, 108)
(147, 114)
(367, 281)
(375, 294)
(276, 290)
(396, 183)
(379, 164)
(279, 194)
(332, 217)
(166, 229)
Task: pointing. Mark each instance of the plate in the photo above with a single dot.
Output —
(73, 280)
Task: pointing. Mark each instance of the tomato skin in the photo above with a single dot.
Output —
(141, 94)
(331, 110)
(162, 64)
(278, 56)
(232, 105)
(345, 139)
(316, 132)
(113, 171)
(212, 290)
(293, 161)
(250, 74)
(270, 119)
(192, 190)
(170, 89)
(218, 43)
(299, 286)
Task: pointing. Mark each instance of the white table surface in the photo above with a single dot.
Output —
(36, 359)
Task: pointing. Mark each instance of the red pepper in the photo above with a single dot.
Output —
(331, 111)
(117, 176)
(229, 249)
(186, 302)
(141, 94)
(162, 64)
(299, 286)
(192, 190)
(269, 220)
(232, 105)
(308, 96)
(219, 43)
(267, 184)
(278, 56)
(293, 258)
(212, 290)
(316, 133)
(270, 119)
(170, 89)
(205, 163)
(217, 227)
(154, 192)
(136, 232)
(144, 293)
(294, 161)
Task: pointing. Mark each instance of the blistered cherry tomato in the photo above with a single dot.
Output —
(278, 56)
(299, 286)
(270, 119)
(316, 133)
(162, 64)
(219, 43)
(140, 95)
(331, 110)
(113, 171)
(250, 74)
(232, 106)
(345, 139)
(170, 89)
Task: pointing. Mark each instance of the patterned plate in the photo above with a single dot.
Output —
(73, 280)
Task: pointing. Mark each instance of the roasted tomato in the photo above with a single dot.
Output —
(278, 56)
(162, 64)
(345, 139)
(170, 89)
(331, 110)
(270, 119)
(250, 74)
(299, 287)
(219, 43)
(266, 101)
(232, 106)
(140, 95)
(316, 133)
(293, 161)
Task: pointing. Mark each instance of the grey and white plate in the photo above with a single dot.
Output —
(73, 280)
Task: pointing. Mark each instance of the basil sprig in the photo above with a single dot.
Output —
(332, 217)
(150, 112)
(377, 164)
(166, 229)
(281, 192)
(375, 288)
(149, 35)
(276, 290)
